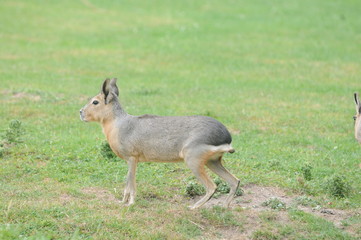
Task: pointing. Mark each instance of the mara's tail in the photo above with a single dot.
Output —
(224, 148)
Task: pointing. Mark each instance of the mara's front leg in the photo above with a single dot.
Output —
(130, 188)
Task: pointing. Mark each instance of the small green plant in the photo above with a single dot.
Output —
(337, 186)
(223, 188)
(12, 136)
(14, 133)
(306, 201)
(274, 203)
(107, 152)
(194, 189)
(306, 171)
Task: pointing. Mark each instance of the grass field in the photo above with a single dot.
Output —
(279, 74)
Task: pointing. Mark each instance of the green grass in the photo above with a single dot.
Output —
(279, 74)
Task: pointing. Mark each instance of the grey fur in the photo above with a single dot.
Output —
(198, 140)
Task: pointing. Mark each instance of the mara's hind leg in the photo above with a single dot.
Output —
(216, 166)
(196, 161)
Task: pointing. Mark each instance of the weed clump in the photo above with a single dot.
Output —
(306, 201)
(106, 152)
(14, 133)
(12, 136)
(274, 203)
(337, 186)
(195, 189)
(223, 188)
(306, 171)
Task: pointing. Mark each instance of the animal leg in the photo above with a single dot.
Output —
(216, 166)
(130, 189)
(196, 163)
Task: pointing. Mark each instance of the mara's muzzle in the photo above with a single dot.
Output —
(82, 115)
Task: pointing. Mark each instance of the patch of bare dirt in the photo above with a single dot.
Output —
(14, 96)
(24, 95)
(88, 193)
(252, 198)
(65, 198)
(255, 195)
(252, 204)
(336, 216)
(30, 95)
(233, 234)
(99, 194)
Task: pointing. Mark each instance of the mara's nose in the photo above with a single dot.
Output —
(81, 115)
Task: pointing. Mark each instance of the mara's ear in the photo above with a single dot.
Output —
(110, 90)
(358, 104)
(114, 86)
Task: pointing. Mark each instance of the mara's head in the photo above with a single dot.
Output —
(101, 107)
(357, 118)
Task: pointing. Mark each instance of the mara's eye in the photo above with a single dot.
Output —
(354, 118)
(95, 102)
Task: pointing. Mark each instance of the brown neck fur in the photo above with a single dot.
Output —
(108, 122)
